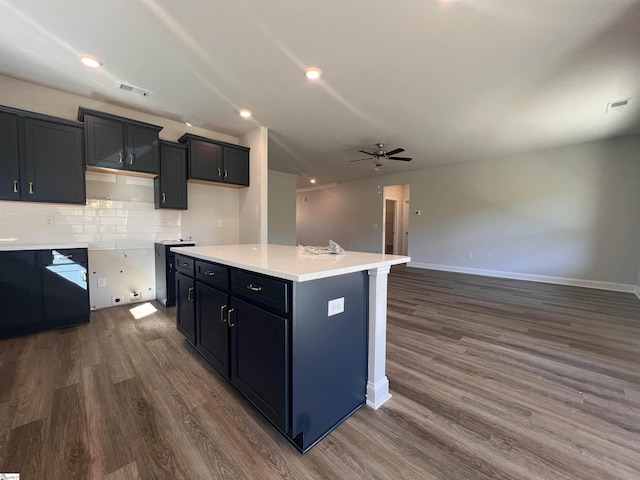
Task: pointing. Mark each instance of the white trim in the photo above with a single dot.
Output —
(577, 282)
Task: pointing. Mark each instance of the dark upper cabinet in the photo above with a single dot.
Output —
(219, 162)
(53, 170)
(121, 144)
(170, 187)
(9, 157)
(41, 158)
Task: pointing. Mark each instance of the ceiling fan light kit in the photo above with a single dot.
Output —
(380, 156)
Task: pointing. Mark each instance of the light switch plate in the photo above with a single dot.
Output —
(336, 306)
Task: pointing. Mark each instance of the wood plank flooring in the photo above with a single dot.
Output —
(491, 379)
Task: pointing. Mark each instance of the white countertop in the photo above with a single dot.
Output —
(286, 262)
(12, 247)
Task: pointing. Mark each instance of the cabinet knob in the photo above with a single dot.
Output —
(15, 186)
(253, 288)
(222, 319)
(30, 188)
(231, 310)
(121, 157)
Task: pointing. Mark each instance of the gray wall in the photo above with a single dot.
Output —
(564, 213)
(282, 208)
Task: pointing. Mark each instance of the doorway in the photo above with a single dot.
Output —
(390, 227)
(395, 234)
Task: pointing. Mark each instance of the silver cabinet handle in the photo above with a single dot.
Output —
(164, 197)
(253, 288)
(231, 310)
(63, 257)
(189, 294)
(183, 264)
(226, 174)
(121, 157)
(30, 188)
(84, 276)
(131, 158)
(15, 186)
(222, 319)
(209, 273)
(219, 173)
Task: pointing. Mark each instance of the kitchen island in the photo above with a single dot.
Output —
(302, 336)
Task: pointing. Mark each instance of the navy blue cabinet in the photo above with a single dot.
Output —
(120, 144)
(41, 158)
(214, 161)
(43, 289)
(170, 186)
(186, 307)
(275, 341)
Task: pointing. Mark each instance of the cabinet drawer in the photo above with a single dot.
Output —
(267, 291)
(185, 265)
(60, 256)
(212, 274)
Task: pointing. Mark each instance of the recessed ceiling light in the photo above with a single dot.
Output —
(245, 113)
(188, 124)
(313, 73)
(313, 180)
(90, 62)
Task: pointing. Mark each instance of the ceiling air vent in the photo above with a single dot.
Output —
(130, 88)
(617, 106)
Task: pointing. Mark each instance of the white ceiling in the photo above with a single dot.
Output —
(448, 80)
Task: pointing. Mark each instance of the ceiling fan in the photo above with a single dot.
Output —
(380, 156)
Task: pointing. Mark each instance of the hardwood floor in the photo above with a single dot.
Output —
(491, 379)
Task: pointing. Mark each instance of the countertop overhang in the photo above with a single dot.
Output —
(288, 262)
(13, 247)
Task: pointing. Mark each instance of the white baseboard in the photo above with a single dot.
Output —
(577, 282)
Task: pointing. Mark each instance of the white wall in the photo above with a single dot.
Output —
(282, 208)
(254, 200)
(561, 214)
(119, 221)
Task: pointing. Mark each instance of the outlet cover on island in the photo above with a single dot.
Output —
(336, 306)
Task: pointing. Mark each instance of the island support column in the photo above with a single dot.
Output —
(377, 381)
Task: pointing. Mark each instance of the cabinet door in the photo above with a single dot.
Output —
(171, 185)
(142, 149)
(205, 161)
(185, 311)
(53, 167)
(213, 332)
(20, 292)
(236, 166)
(9, 162)
(104, 142)
(64, 280)
(259, 359)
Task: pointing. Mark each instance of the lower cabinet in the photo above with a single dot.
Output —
(186, 307)
(43, 289)
(212, 342)
(274, 341)
(259, 354)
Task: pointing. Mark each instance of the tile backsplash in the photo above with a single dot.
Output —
(101, 223)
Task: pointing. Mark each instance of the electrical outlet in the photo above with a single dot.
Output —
(336, 306)
(489, 256)
(102, 282)
(469, 254)
(220, 223)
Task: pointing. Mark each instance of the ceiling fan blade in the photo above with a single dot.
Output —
(366, 153)
(360, 159)
(404, 159)
(393, 152)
